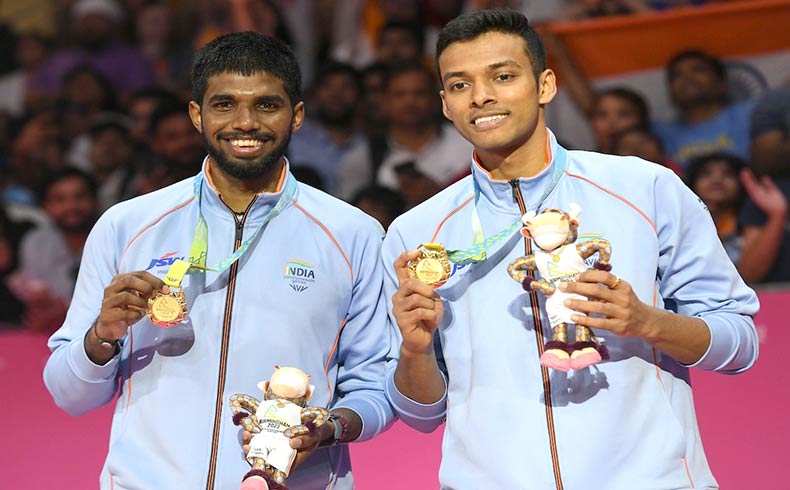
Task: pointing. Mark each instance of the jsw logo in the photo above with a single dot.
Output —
(164, 261)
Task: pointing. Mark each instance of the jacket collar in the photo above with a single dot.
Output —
(500, 193)
(211, 200)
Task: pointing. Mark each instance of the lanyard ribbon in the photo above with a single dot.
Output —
(478, 252)
(199, 249)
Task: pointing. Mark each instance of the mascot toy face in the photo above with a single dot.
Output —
(552, 227)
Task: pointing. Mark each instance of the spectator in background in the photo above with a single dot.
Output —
(400, 42)
(380, 202)
(414, 134)
(11, 233)
(715, 179)
(614, 110)
(95, 26)
(50, 255)
(706, 122)
(608, 111)
(750, 214)
(176, 149)
(770, 134)
(86, 93)
(37, 151)
(141, 106)
(159, 43)
(30, 52)
(640, 142)
(371, 109)
(112, 159)
(329, 130)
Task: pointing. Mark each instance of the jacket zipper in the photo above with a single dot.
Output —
(544, 372)
(223, 357)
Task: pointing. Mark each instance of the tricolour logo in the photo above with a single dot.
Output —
(299, 273)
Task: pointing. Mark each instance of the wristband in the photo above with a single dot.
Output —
(104, 342)
(340, 434)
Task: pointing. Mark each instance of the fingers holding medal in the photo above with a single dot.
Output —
(432, 266)
(168, 307)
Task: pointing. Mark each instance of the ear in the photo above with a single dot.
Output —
(528, 216)
(309, 392)
(445, 109)
(264, 386)
(547, 86)
(194, 115)
(575, 211)
(298, 117)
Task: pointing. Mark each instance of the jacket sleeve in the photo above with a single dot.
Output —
(362, 347)
(422, 417)
(696, 275)
(75, 382)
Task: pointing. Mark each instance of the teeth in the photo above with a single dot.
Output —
(246, 143)
(482, 120)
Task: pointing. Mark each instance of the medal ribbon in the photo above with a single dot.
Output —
(478, 251)
(199, 248)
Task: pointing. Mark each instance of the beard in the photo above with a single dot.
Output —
(247, 169)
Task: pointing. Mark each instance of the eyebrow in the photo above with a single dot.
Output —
(491, 67)
(272, 99)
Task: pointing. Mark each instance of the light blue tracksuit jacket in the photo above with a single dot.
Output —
(624, 424)
(306, 294)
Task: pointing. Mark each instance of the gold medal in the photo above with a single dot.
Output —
(432, 266)
(167, 310)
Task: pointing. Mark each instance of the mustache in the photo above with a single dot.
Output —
(229, 135)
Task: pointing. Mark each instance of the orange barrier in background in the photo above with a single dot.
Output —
(625, 44)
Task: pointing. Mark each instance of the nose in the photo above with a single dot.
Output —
(482, 94)
(246, 119)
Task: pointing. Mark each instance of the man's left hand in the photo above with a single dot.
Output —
(614, 301)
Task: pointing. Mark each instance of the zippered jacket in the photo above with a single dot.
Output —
(623, 424)
(307, 294)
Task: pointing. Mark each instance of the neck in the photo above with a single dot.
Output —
(412, 138)
(528, 160)
(702, 112)
(239, 193)
(724, 218)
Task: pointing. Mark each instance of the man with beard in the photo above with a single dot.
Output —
(50, 255)
(247, 268)
(325, 139)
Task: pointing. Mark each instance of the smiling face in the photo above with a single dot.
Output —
(246, 122)
(491, 94)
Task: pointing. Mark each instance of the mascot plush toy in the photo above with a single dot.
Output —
(272, 422)
(560, 259)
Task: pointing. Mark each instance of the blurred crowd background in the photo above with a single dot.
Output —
(93, 111)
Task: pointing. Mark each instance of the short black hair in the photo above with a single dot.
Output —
(332, 67)
(697, 165)
(416, 30)
(164, 111)
(246, 53)
(474, 24)
(64, 174)
(634, 98)
(715, 63)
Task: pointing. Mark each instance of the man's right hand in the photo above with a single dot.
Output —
(125, 302)
(418, 311)
(417, 308)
